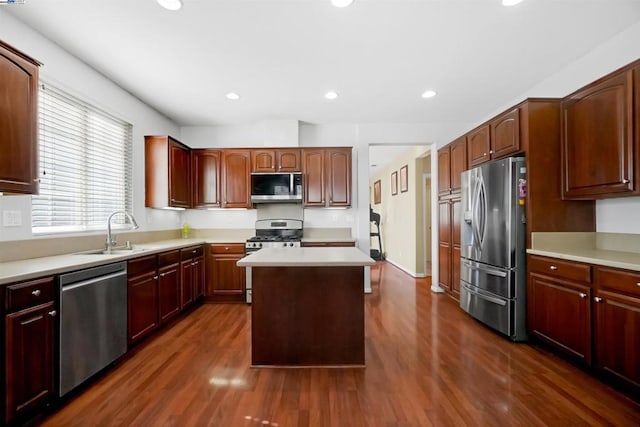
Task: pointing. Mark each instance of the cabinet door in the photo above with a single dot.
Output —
(458, 163)
(455, 272)
(206, 178)
(168, 292)
(478, 146)
(444, 221)
(263, 160)
(314, 177)
(456, 218)
(597, 139)
(505, 134)
(198, 276)
(561, 315)
(618, 336)
(338, 163)
(236, 178)
(142, 297)
(444, 171)
(288, 160)
(18, 123)
(227, 279)
(29, 360)
(444, 266)
(186, 283)
(179, 175)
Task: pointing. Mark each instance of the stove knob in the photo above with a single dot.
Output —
(259, 245)
(291, 244)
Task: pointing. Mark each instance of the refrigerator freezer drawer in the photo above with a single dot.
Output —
(494, 280)
(491, 310)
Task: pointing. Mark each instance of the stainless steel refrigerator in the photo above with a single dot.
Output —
(493, 241)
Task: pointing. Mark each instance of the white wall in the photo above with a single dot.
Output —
(67, 72)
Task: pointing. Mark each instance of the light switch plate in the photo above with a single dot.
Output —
(11, 219)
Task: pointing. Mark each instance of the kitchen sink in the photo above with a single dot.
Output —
(118, 251)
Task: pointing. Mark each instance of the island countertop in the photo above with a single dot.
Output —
(307, 257)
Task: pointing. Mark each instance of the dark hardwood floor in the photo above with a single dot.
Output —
(427, 363)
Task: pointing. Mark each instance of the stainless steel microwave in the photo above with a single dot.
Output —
(274, 187)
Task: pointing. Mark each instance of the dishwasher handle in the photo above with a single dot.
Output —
(69, 287)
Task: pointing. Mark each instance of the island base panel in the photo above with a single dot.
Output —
(307, 316)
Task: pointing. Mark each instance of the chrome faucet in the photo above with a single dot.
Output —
(110, 240)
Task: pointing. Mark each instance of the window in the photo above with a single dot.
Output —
(85, 165)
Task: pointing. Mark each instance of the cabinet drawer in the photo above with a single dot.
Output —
(192, 252)
(167, 258)
(141, 265)
(624, 281)
(231, 248)
(561, 269)
(31, 293)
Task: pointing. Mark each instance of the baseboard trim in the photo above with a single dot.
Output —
(409, 272)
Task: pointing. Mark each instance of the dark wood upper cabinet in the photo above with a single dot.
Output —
(327, 176)
(167, 173)
(338, 163)
(458, 163)
(479, 146)
(279, 160)
(598, 140)
(444, 170)
(505, 134)
(236, 178)
(18, 121)
(313, 161)
(206, 178)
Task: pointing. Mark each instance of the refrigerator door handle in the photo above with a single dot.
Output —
(474, 214)
(482, 203)
(494, 300)
(490, 271)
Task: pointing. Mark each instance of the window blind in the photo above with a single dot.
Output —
(85, 165)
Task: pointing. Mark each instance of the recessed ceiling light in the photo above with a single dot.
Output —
(331, 94)
(429, 93)
(341, 3)
(170, 4)
(510, 2)
(233, 96)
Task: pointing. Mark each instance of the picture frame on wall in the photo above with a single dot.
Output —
(377, 192)
(404, 184)
(394, 183)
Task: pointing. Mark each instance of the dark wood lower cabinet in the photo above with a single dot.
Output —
(169, 292)
(187, 285)
(29, 363)
(142, 296)
(562, 315)
(225, 280)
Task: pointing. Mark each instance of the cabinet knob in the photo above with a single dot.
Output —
(484, 154)
(625, 181)
(155, 277)
(638, 284)
(52, 313)
(226, 248)
(194, 251)
(583, 295)
(553, 268)
(597, 299)
(162, 274)
(36, 293)
(490, 151)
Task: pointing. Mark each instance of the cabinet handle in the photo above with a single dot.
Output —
(553, 267)
(194, 251)
(490, 151)
(597, 299)
(162, 274)
(638, 284)
(582, 295)
(484, 154)
(625, 181)
(52, 313)
(36, 293)
(155, 277)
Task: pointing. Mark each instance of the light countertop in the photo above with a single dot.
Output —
(606, 249)
(307, 257)
(15, 271)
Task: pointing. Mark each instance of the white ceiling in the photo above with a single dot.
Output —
(281, 56)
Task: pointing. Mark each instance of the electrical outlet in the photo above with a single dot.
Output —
(11, 219)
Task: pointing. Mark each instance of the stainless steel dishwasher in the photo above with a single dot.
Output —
(93, 322)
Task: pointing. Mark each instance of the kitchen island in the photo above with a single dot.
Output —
(308, 306)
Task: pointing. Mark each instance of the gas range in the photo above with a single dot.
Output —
(275, 233)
